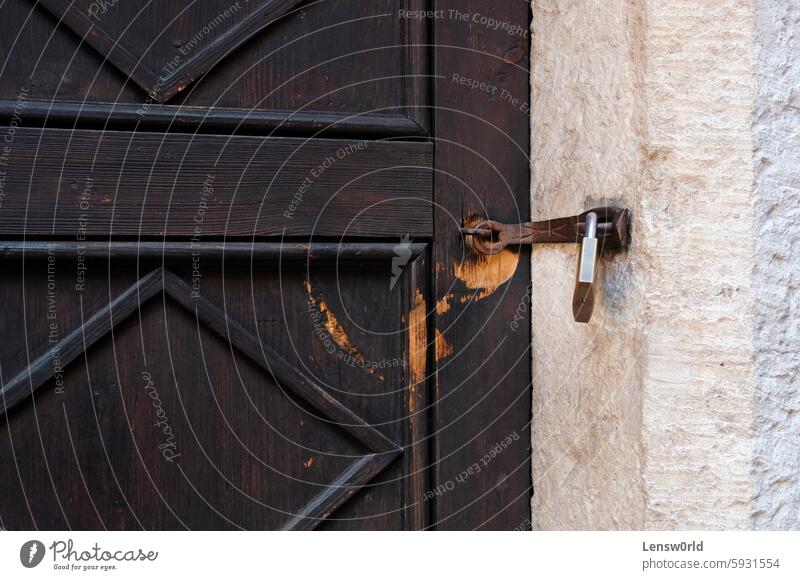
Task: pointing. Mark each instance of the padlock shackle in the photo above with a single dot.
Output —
(591, 225)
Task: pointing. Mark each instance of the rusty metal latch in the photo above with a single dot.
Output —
(597, 230)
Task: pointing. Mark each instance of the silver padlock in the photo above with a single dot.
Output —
(583, 297)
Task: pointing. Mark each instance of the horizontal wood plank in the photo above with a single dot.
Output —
(84, 183)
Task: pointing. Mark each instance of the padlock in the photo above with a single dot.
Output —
(605, 227)
(583, 297)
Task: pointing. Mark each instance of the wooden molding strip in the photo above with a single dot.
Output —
(345, 486)
(284, 373)
(79, 340)
(156, 117)
(169, 250)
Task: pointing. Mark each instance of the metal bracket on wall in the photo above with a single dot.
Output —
(597, 230)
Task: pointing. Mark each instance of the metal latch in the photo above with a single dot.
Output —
(597, 230)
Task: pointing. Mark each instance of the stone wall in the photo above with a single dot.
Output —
(776, 130)
(676, 407)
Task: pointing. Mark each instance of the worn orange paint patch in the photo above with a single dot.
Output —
(417, 347)
(486, 273)
(308, 463)
(444, 304)
(334, 328)
(443, 348)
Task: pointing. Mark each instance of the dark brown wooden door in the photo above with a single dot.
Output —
(234, 291)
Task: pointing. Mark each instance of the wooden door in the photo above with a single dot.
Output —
(234, 291)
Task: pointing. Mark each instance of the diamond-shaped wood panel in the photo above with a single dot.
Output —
(381, 451)
(164, 46)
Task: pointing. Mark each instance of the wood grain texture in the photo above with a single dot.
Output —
(124, 47)
(484, 384)
(157, 117)
(229, 251)
(254, 455)
(76, 342)
(94, 183)
(330, 56)
(331, 496)
(287, 375)
(283, 372)
(368, 402)
(418, 402)
(338, 492)
(417, 65)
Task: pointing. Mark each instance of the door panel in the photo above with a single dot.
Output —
(191, 406)
(335, 56)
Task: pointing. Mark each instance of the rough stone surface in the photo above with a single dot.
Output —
(588, 142)
(776, 127)
(644, 418)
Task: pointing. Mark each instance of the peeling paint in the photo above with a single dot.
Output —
(335, 329)
(444, 304)
(486, 273)
(417, 347)
(443, 348)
